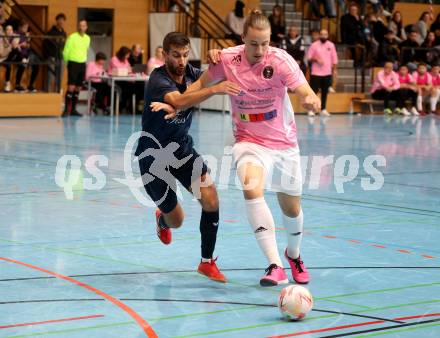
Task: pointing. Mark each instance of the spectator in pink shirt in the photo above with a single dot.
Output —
(322, 55)
(385, 86)
(95, 69)
(119, 65)
(156, 61)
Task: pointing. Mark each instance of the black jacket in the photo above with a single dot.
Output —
(352, 30)
(54, 47)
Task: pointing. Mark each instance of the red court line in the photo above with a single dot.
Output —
(420, 316)
(352, 325)
(141, 322)
(50, 321)
(328, 329)
(404, 251)
(427, 256)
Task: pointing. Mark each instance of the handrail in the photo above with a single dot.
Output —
(18, 10)
(27, 16)
(219, 20)
(191, 16)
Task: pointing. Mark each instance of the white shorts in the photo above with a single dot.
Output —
(282, 167)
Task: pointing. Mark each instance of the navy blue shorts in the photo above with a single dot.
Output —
(160, 184)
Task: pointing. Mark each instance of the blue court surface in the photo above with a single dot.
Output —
(92, 266)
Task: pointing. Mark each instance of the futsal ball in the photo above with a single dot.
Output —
(295, 302)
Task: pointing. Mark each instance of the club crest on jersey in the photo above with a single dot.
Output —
(268, 72)
(236, 60)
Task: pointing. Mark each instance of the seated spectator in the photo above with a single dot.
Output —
(385, 86)
(379, 29)
(435, 27)
(371, 45)
(5, 45)
(277, 25)
(235, 20)
(24, 55)
(431, 54)
(435, 92)
(409, 52)
(156, 61)
(388, 49)
(120, 61)
(11, 43)
(293, 43)
(136, 56)
(421, 27)
(396, 25)
(424, 86)
(314, 35)
(119, 65)
(96, 69)
(407, 91)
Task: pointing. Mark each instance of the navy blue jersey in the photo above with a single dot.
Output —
(166, 131)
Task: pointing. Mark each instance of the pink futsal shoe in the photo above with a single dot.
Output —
(299, 270)
(275, 275)
(164, 233)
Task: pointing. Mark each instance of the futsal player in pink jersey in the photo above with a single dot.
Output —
(265, 138)
(407, 91)
(435, 91)
(424, 85)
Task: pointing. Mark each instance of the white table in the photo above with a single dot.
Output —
(112, 80)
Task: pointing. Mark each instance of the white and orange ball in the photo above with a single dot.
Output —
(295, 302)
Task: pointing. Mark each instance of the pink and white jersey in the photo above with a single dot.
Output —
(407, 79)
(326, 53)
(262, 113)
(435, 80)
(384, 80)
(423, 80)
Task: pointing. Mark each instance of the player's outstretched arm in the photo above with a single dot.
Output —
(199, 91)
(309, 100)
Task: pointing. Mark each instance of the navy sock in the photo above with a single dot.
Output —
(162, 223)
(208, 230)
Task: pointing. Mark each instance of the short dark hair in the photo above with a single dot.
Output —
(61, 16)
(177, 39)
(100, 56)
(124, 50)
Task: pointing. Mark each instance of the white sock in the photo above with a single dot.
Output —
(419, 103)
(294, 232)
(263, 225)
(433, 101)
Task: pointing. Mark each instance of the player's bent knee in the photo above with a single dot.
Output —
(293, 211)
(210, 204)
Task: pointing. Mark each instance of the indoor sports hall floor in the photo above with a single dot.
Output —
(93, 267)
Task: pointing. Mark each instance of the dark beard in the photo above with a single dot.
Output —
(175, 70)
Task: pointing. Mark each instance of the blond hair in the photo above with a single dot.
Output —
(257, 20)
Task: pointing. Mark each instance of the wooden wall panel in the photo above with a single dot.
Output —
(42, 104)
(411, 12)
(130, 17)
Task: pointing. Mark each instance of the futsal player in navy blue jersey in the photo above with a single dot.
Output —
(166, 152)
